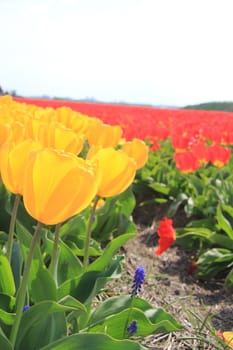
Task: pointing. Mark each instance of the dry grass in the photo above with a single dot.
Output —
(201, 307)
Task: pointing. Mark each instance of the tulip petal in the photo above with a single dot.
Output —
(57, 185)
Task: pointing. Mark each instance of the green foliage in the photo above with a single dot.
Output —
(7, 284)
(214, 261)
(41, 285)
(64, 311)
(4, 215)
(46, 318)
(204, 197)
(114, 218)
(116, 313)
(93, 342)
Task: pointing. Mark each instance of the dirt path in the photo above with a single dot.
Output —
(200, 306)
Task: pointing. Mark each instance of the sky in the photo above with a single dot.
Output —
(157, 52)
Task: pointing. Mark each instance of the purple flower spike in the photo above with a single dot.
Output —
(139, 277)
(133, 327)
(26, 307)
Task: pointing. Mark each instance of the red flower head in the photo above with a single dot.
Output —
(186, 162)
(219, 156)
(167, 235)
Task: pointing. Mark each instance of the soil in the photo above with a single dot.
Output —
(200, 306)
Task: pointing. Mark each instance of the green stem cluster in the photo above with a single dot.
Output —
(88, 237)
(55, 255)
(12, 227)
(23, 287)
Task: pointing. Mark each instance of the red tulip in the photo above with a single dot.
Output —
(186, 162)
(201, 152)
(167, 235)
(219, 156)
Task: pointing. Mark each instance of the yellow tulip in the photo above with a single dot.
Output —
(65, 115)
(58, 185)
(76, 121)
(13, 159)
(80, 123)
(5, 131)
(138, 150)
(55, 135)
(117, 171)
(33, 127)
(103, 135)
(17, 132)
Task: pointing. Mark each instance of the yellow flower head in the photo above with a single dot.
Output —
(13, 159)
(56, 135)
(58, 185)
(138, 150)
(103, 135)
(116, 168)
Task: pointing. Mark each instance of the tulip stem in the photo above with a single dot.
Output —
(55, 255)
(23, 287)
(88, 237)
(12, 226)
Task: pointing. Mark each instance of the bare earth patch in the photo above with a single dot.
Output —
(200, 306)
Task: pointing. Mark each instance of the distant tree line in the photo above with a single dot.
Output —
(4, 92)
(213, 106)
(209, 106)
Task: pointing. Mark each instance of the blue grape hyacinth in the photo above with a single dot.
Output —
(26, 307)
(138, 281)
(132, 328)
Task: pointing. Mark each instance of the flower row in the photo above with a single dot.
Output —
(197, 137)
(60, 160)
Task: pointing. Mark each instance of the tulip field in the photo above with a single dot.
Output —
(72, 176)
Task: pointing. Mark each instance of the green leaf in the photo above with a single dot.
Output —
(4, 342)
(3, 238)
(42, 324)
(223, 223)
(126, 202)
(113, 218)
(207, 223)
(181, 198)
(88, 285)
(191, 237)
(22, 215)
(116, 325)
(228, 284)
(6, 317)
(73, 233)
(222, 240)
(7, 304)
(114, 315)
(160, 200)
(4, 215)
(115, 305)
(75, 226)
(16, 263)
(228, 209)
(214, 261)
(160, 187)
(41, 284)
(7, 284)
(102, 262)
(69, 265)
(93, 342)
(94, 248)
(72, 303)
